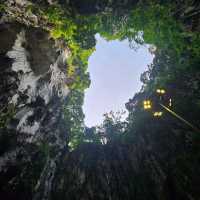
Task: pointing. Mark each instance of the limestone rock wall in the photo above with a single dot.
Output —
(33, 89)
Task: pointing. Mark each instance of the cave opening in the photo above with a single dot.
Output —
(47, 152)
(115, 69)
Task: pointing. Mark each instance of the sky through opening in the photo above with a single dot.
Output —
(115, 71)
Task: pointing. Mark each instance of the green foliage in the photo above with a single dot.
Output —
(113, 126)
(2, 7)
(177, 50)
(152, 23)
(92, 135)
(74, 118)
(78, 39)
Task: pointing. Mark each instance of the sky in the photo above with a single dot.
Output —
(115, 71)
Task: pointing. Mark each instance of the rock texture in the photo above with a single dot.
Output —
(33, 89)
(158, 166)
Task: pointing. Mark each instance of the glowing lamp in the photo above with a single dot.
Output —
(147, 104)
(157, 114)
(160, 91)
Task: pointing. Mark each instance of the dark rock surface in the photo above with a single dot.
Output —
(33, 90)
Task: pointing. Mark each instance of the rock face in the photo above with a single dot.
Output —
(33, 89)
(160, 166)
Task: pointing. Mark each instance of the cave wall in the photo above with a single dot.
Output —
(33, 90)
(160, 165)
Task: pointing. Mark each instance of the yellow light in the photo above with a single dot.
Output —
(158, 91)
(146, 107)
(160, 114)
(145, 102)
(162, 91)
(157, 114)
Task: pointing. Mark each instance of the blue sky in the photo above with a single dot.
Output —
(115, 71)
